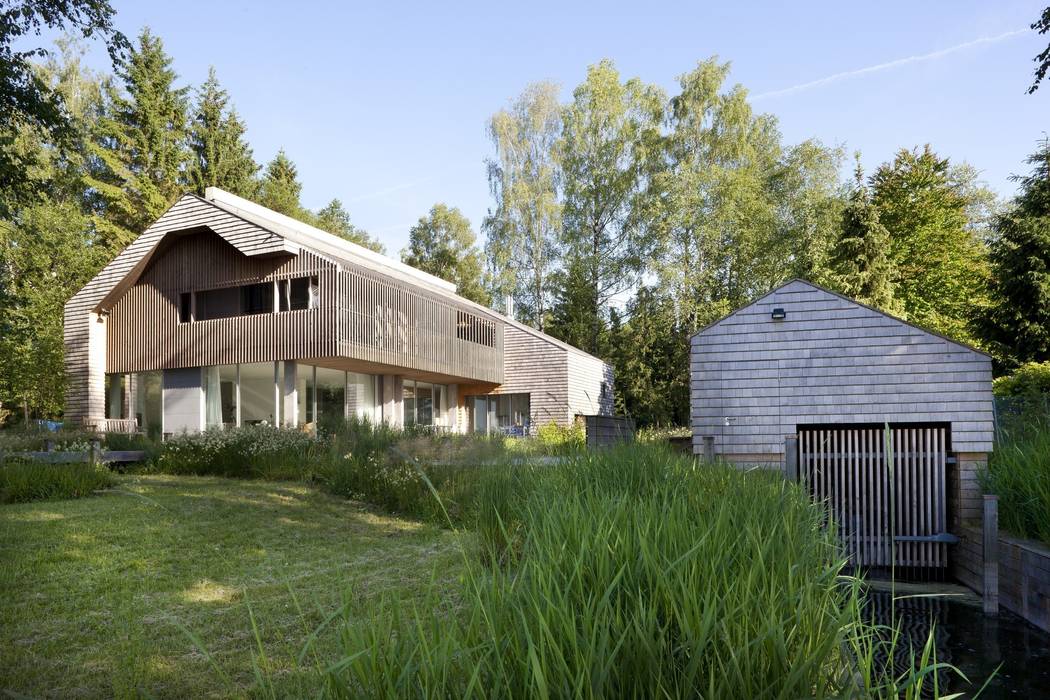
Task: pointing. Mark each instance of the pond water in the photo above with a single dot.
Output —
(975, 643)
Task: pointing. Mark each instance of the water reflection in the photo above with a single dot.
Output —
(971, 641)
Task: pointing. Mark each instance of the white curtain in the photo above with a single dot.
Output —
(212, 398)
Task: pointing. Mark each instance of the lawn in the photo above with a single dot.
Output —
(101, 594)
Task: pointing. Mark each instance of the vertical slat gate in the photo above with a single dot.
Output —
(886, 512)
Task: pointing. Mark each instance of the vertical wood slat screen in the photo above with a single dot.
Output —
(871, 502)
(362, 315)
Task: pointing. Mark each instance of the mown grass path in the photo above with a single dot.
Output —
(98, 592)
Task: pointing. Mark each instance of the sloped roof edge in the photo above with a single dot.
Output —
(832, 292)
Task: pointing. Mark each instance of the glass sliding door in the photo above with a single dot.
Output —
(424, 403)
(149, 398)
(409, 402)
(258, 394)
(361, 397)
(331, 397)
(506, 413)
(116, 406)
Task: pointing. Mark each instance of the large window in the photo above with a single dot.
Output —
(298, 294)
(116, 405)
(217, 303)
(259, 394)
(424, 403)
(361, 397)
(257, 298)
(147, 390)
(504, 413)
(208, 304)
(331, 396)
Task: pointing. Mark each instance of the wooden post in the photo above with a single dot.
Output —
(49, 445)
(991, 554)
(791, 457)
(709, 448)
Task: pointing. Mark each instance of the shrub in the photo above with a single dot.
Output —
(559, 440)
(628, 573)
(23, 480)
(260, 452)
(1030, 380)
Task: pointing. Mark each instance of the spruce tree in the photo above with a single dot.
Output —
(860, 259)
(221, 156)
(1018, 318)
(280, 187)
(140, 155)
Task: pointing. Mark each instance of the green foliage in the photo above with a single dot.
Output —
(443, 244)
(609, 147)
(630, 573)
(336, 220)
(221, 156)
(1030, 380)
(140, 156)
(522, 231)
(24, 480)
(650, 356)
(1019, 472)
(28, 101)
(45, 257)
(1017, 322)
(280, 187)
(939, 261)
(861, 260)
(556, 439)
(1042, 59)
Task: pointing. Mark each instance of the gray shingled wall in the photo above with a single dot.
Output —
(753, 379)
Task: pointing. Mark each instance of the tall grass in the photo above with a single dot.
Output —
(1019, 472)
(22, 480)
(630, 573)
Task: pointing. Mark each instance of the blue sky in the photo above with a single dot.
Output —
(384, 105)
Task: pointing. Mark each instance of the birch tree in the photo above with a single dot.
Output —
(522, 229)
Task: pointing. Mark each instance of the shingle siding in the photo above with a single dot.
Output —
(753, 380)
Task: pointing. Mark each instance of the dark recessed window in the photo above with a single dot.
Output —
(217, 303)
(299, 294)
(257, 298)
(185, 307)
(474, 329)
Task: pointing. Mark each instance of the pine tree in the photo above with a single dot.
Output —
(336, 220)
(140, 157)
(1018, 319)
(221, 156)
(861, 256)
(443, 244)
(280, 187)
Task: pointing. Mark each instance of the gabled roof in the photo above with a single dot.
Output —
(257, 231)
(817, 287)
(320, 241)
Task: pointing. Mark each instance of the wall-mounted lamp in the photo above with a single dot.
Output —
(779, 314)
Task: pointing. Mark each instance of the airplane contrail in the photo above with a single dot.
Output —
(889, 64)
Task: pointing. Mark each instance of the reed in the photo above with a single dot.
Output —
(631, 573)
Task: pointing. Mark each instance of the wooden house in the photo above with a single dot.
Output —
(888, 422)
(225, 313)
